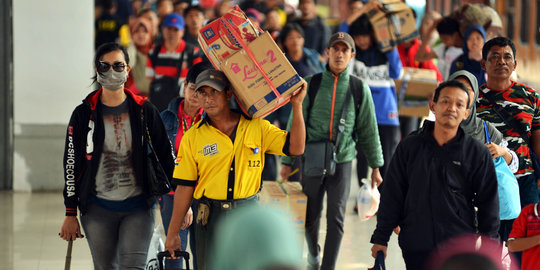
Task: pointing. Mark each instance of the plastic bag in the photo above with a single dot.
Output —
(508, 190)
(367, 200)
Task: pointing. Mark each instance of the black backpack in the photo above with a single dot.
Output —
(166, 88)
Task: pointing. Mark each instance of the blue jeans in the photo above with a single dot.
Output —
(167, 203)
(118, 240)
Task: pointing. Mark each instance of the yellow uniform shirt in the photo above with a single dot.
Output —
(206, 155)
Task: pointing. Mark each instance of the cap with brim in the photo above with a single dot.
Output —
(212, 78)
(341, 37)
(174, 20)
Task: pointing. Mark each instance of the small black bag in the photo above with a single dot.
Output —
(157, 178)
(163, 90)
(166, 88)
(319, 159)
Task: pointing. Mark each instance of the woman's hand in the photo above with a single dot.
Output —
(496, 150)
(70, 229)
(188, 219)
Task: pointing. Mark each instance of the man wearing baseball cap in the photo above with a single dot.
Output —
(221, 158)
(333, 95)
(169, 61)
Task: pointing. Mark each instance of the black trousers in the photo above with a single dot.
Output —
(408, 124)
(416, 260)
(205, 235)
(337, 189)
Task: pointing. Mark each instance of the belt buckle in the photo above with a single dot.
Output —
(226, 205)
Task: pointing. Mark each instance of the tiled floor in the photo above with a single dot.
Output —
(30, 222)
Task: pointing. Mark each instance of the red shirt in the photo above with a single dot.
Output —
(166, 62)
(407, 58)
(184, 123)
(526, 225)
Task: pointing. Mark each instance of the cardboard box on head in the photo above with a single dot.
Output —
(414, 90)
(217, 39)
(393, 25)
(262, 78)
(252, 90)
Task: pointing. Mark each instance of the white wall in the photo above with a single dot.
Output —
(52, 55)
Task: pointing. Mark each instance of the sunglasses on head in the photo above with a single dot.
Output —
(104, 67)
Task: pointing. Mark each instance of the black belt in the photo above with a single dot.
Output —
(228, 204)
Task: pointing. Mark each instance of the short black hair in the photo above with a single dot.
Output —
(448, 26)
(105, 49)
(193, 7)
(451, 83)
(196, 69)
(414, 13)
(361, 26)
(468, 261)
(107, 4)
(288, 28)
(314, 2)
(498, 41)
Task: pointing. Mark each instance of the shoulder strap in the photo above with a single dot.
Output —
(356, 87)
(488, 138)
(182, 59)
(508, 119)
(341, 124)
(314, 85)
(155, 53)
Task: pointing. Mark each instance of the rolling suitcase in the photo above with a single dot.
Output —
(183, 254)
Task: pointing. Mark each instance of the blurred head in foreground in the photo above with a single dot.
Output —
(256, 238)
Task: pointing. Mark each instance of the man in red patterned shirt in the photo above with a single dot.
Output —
(168, 63)
(502, 98)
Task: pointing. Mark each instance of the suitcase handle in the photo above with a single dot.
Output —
(177, 253)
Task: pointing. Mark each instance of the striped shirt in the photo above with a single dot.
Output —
(165, 63)
(523, 104)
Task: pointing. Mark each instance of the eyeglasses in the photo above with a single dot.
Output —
(104, 67)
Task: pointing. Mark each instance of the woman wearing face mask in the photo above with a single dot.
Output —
(105, 166)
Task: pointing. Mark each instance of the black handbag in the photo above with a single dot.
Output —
(320, 157)
(166, 88)
(158, 181)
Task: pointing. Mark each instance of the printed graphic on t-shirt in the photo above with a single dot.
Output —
(115, 179)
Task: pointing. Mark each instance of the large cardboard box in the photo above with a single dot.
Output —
(393, 25)
(414, 90)
(289, 198)
(217, 39)
(253, 92)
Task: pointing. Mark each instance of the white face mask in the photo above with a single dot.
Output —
(112, 80)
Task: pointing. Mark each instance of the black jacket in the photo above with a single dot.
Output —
(84, 145)
(430, 191)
